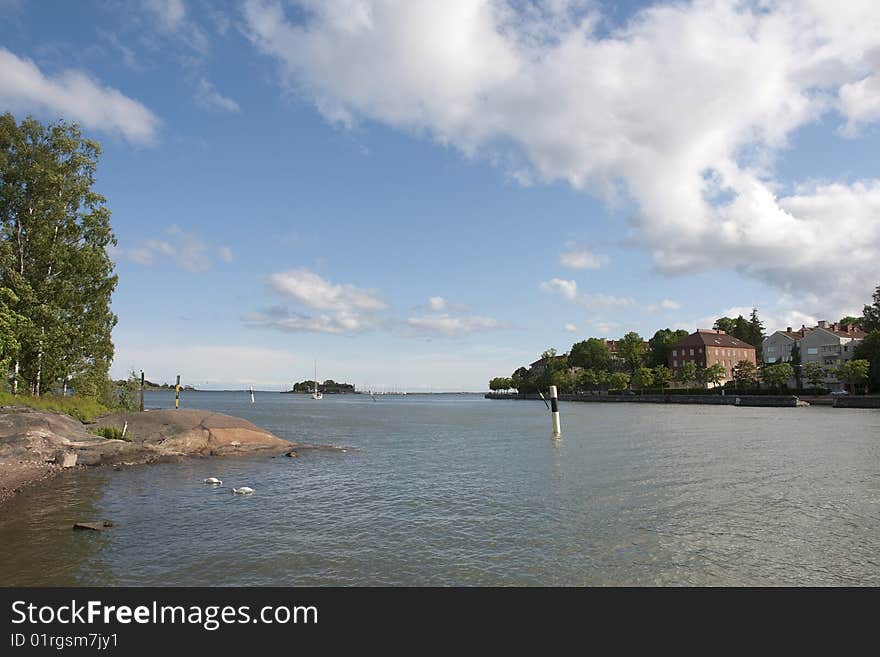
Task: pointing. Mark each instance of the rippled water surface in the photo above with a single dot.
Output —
(459, 490)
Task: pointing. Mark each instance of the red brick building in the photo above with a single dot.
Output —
(705, 347)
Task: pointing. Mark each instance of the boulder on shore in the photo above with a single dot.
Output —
(35, 445)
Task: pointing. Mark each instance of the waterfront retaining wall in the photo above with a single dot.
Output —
(717, 400)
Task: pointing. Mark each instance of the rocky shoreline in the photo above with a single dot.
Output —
(37, 445)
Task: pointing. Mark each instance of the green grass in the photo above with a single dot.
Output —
(81, 408)
(108, 432)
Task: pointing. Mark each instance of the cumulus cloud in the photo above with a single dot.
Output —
(75, 96)
(568, 289)
(682, 109)
(579, 258)
(312, 291)
(437, 303)
(344, 309)
(570, 328)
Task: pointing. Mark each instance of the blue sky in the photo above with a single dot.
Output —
(426, 195)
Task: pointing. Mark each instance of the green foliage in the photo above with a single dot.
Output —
(631, 349)
(854, 372)
(618, 381)
(108, 432)
(755, 335)
(745, 374)
(871, 314)
(849, 320)
(777, 376)
(643, 378)
(521, 380)
(329, 386)
(869, 350)
(54, 234)
(81, 408)
(814, 374)
(662, 376)
(549, 353)
(500, 383)
(713, 374)
(661, 344)
(590, 354)
(687, 374)
(592, 379)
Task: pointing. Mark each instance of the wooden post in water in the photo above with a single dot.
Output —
(252, 394)
(554, 411)
(177, 393)
(142, 391)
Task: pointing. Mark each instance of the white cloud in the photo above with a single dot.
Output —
(576, 258)
(449, 326)
(568, 290)
(570, 328)
(207, 96)
(74, 96)
(342, 322)
(683, 109)
(666, 304)
(437, 303)
(312, 291)
(345, 308)
(187, 250)
(171, 14)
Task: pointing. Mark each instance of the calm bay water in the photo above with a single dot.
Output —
(459, 490)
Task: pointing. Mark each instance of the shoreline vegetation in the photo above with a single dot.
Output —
(673, 396)
(635, 365)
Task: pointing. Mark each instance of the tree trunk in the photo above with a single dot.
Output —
(15, 378)
(39, 365)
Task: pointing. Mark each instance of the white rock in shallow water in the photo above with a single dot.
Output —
(244, 490)
(213, 480)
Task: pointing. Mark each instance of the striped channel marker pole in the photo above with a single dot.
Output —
(177, 393)
(554, 411)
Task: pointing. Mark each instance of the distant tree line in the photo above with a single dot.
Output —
(329, 386)
(590, 366)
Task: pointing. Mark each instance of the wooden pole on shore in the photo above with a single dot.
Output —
(142, 391)
(177, 394)
(554, 411)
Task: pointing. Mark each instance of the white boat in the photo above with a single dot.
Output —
(317, 393)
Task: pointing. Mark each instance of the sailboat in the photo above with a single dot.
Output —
(317, 393)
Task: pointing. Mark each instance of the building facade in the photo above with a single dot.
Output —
(829, 345)
(705, 347)
(778, 347)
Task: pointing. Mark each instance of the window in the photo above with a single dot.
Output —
(674, 353)
(812, 350)
(692, 352)
(675, 362)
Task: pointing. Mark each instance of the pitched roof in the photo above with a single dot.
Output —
(544, 361)
(712, 338)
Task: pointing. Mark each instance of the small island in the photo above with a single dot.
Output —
(329, 387)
